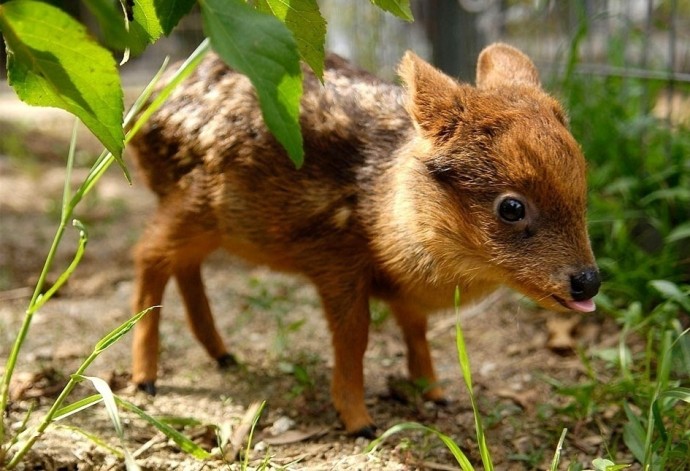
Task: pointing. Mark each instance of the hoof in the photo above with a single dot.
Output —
(441, 402)
(368, 432)
(149, 387)
(227, 361)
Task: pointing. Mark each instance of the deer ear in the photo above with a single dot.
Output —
(500, 65)
(435, 102)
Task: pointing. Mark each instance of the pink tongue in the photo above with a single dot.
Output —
(582, 306)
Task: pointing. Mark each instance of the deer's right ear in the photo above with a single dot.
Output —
(436, 103)
(500, 65)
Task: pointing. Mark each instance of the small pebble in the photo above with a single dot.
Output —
(281, 425)
(361, 442)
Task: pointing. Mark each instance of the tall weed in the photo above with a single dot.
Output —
(639, 184)
(640, 228)
(12, 447)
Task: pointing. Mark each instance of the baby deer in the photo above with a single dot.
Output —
(406, 193)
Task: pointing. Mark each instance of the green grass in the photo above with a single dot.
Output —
(460, 456)
(639, 178)
(639, 175)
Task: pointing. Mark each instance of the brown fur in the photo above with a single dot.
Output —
(397, 200)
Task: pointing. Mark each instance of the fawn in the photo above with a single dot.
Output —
(406, 193)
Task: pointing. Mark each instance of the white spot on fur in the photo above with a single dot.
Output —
(341, 217)
(209, 132)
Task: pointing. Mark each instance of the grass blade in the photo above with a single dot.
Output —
(108, 400)
(78, 406)
(464, 360)
(458, 454)
(185, 444)
(559, 450)
(96, 440)
(111, 408)
(173, 420)
(49, 418)
(145, 94)
(681, 394)
(182, 73)
(255, 421)
(116, 334)
(634, 434)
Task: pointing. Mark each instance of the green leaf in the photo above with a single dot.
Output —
(261, 47)
(183, 442)
(400, 8)
(52, 61)
(119, 331)
(681, 394)
(113, 25)
(169, 12)
(634, 434)
(601, 464)
(147, 18)
(158, 17)
(304, 19)
(679, 233)
(671, 291)
(77, 406)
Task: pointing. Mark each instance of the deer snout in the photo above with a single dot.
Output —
(585, 284)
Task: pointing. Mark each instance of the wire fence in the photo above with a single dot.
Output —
(646, 40)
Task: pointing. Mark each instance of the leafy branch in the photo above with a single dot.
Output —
(54, 61)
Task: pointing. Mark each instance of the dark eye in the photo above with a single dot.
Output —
(511, 210)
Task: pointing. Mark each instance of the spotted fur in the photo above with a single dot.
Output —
(397, 199)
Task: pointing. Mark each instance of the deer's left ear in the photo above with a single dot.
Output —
(501, 65)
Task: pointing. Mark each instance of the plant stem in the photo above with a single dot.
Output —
(77, 377)
(66, 214)
(57, 404)
(68, 205)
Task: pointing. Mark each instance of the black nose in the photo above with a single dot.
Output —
(585, 285)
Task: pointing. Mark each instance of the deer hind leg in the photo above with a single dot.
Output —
(347, 311)
(171, 246)
(199, 316)
(413, 324)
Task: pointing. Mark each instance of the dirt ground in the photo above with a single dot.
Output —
(273, 325)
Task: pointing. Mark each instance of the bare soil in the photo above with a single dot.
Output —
(273, 325)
